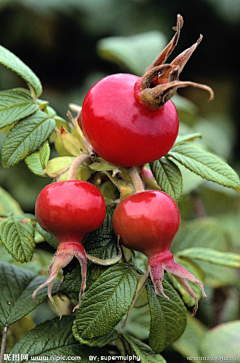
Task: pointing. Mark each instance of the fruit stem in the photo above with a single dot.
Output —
(75, 165)
(136, 179)
(108, 262)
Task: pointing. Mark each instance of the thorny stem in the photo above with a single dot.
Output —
(75, 165)
(138, 184)
(4, 340)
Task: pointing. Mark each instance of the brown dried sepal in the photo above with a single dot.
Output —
(161, 81)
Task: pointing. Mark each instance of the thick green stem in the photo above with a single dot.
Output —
(75, 165)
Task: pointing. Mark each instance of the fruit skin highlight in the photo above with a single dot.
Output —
(148, 222)
(123, 130)
(69, 210)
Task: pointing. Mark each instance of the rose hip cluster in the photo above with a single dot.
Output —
(129, 121)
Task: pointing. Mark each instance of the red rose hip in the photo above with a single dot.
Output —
(69, 210)
(147, 222)
(123, 130)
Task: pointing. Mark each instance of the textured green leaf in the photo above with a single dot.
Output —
(105, 303)
(222, 341)
(15, 105)
(102, 243)
(9, 60)
(54, 338)
(8, 204)
(37, 161)
(227, 259)
(205, 164)
(142, 350)
(168, 317)
(17, 285)
(103, 340)
(135, 52)
(168, 177)
(26, 137)
(17, 235)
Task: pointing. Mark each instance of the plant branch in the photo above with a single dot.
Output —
(4, 340)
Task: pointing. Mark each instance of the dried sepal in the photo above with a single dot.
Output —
(161, 81)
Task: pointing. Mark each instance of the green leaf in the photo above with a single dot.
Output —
(227, 259)
(105, 303)
(58, 166)
(188, 343)
(168, 177)
(188, 137)
(26, 137)
(15, 105)
(138, 322)
(142, 350)
(204, 232)
(222, 341)
(8, 204)
(205, 164)
(37, 161)
(54, 338)
(17, 235)
(102, 243)
(208, 233)
(9, 60)
(135, 52)
(72, 143)
(168, 317)
(17, 285)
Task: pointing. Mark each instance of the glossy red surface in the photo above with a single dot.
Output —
(122, 130)
(70, 209)
(147, 222)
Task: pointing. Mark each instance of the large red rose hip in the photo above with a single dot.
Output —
(123, 130)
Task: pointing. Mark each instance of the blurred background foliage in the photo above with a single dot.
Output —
(71, 44)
